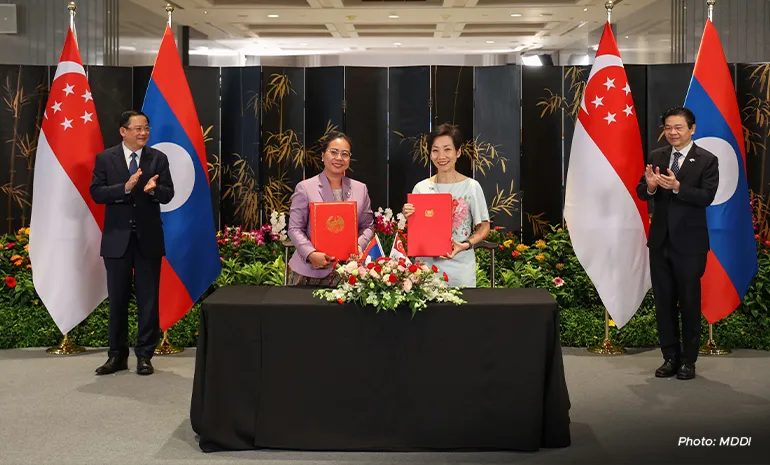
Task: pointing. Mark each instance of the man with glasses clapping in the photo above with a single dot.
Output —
(132, 180)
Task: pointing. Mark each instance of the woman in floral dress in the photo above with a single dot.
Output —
(470, 217)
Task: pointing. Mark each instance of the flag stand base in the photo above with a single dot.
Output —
(166, 347)
(66, 347)
(607, 347)
(711, 347)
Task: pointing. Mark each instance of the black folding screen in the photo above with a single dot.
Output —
(264, 129)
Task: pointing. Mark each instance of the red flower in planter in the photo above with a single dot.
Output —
(352, 280)
(446, 278)
(413, 268)
(340, 301)
(434, 268)
(10, 245)
(392, 278)
(10, 281)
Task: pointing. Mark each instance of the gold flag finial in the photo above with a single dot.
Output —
(169, 10)
(711, 8)
(72, 7)
(609, 4)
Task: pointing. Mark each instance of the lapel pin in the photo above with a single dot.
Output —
(692, 160)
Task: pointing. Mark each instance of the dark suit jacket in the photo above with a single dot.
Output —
(683, 215)
(108, 187)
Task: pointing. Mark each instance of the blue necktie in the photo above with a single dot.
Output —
(133, 167)
(675, 165)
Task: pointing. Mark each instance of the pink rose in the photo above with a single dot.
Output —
(407, 285)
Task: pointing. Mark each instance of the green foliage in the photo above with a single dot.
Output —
(256, 257)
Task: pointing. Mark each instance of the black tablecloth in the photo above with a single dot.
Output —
(279, 368)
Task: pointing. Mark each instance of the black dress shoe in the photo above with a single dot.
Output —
(113, 365)
(686, 371)
(144, 366)
(667, 370)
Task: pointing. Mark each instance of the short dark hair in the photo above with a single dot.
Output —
(334, 135)
(688, 115)
(446, 129)
(125, 117)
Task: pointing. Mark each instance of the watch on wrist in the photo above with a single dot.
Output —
(470, 246)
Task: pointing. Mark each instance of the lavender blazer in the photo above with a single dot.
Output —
(318, 189)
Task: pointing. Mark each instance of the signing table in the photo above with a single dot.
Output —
(279, 368)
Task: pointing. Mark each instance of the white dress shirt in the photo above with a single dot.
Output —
(127, 152)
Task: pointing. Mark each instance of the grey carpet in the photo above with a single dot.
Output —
(53, 410)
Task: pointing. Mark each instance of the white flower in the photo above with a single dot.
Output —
(374, 274)
(401, 221)
(278, 225)
(378, 212)
(351, 267)
(388, 214)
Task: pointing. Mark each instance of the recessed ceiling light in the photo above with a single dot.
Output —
(205, 12)
(585, 9)
(516, 15)
(626, 37)
(393, 16)
(303, 44)
(272, 16)
(490, 41)
(396, 43)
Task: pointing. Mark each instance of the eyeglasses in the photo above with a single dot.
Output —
(345, 155)
(138, 128)
(676, 128)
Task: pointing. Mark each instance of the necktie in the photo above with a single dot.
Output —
(675, 165)
(133, 167)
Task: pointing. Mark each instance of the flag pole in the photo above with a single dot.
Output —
(166, 347)
(607, 347)
(67, 347)
(711, 347)
(72, 7)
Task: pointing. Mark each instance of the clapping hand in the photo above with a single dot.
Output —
(134, 179)
(669, 182)
(150, 186)
(652, 178)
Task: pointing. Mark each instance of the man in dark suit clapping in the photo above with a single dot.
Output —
(132, 180)
(682, 179)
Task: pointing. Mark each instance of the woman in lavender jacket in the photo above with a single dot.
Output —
(311, 267)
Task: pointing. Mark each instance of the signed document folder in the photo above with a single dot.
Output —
(334, 228)
(429, 229)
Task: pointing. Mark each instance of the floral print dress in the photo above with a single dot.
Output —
(469, 208)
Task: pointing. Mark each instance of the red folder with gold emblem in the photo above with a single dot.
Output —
(429, 229)
(334, 228)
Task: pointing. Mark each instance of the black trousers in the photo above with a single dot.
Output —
(145, 272)
(676, 279)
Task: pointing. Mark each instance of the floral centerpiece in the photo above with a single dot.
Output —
(387, 284)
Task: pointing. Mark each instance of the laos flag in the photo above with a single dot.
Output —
(732, 260)
(192, 262)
